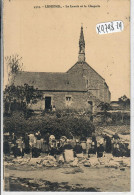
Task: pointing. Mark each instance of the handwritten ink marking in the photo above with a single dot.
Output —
(109, 27)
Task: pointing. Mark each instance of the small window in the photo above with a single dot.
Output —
(68, 99)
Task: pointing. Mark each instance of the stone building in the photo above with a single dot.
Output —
(81, 88)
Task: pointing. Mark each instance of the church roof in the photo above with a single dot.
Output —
(50, 81)
(69, 81)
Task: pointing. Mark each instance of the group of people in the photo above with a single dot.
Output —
(35, 144)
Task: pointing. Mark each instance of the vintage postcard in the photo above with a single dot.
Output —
(66, 96)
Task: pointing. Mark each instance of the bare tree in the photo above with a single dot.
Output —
(14, 65)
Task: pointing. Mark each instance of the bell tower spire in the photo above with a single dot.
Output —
(81, 56)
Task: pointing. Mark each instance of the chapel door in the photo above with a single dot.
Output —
(47, 103)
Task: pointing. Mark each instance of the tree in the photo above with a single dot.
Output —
(105, 107)
(14, 65)
(124, 101)
(18, 97)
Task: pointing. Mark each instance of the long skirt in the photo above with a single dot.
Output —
(35, 152)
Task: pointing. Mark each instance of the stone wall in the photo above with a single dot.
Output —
(97, 90)
(95, 83)
(79, 101)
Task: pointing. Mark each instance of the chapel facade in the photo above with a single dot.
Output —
(81, 88)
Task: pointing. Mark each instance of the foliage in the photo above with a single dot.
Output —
(124, 101)
(17, 98)
(113, 118)
(64, 126)
(104, 106)
(15, 123)
(120, 118)
(14, 65)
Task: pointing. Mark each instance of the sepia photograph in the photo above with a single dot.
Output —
(66, 96)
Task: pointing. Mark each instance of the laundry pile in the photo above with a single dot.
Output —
(50, 161)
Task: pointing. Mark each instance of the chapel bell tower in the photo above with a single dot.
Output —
(81, 56)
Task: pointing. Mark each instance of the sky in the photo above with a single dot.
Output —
(47, 38)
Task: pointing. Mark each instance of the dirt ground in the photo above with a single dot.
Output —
(25, 178)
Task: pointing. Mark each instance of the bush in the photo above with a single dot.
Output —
(65, 125)
(15, 123)
(112, 118)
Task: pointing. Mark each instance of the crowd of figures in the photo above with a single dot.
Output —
(63, 148)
